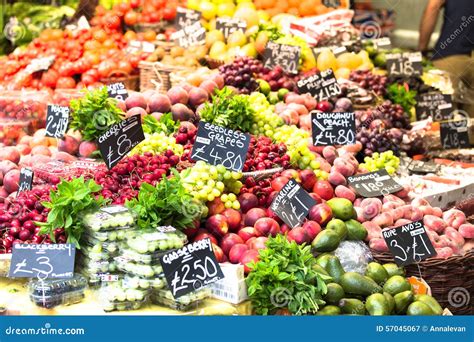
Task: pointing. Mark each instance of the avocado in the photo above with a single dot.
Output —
(393, 269)
(326, 241)
(357, 284)
(431, 302)
(329, 310)
(342, 208)
(377, 272)
(402, 300)
(322, 259)
(352, 306)
(335, 293)
(355, 230)
(338, 226)
(319, 269)
(376, 305)
(335, 269)
(390, 301)
(396, 284)
(418, 308)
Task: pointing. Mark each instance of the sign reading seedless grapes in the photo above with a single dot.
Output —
(218, 145)
(333, 128)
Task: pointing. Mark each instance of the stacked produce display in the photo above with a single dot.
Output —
(221, 145)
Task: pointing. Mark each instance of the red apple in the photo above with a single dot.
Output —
(321, 213)
(202, 234)
(234, 219)
(217, 224)
(228, 241)
(308, 179)
(247, 257)
(312, 229)
(236, 252)
(247, 201)
(324, 106)
(279, 182)
(191, 232)
(316, 197)
(247, 233)
(218, 253)
(324, 189)
(291, 173)
(297, 234)
(267, 226)
(215, 207)
(253, 215)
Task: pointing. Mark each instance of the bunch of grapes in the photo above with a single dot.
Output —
(385, 160)
(206, 182)
(369, 81)
(157, 143)
(241, 74)
(265, 119)
(387, 115)
(377, 140)
(277, 78)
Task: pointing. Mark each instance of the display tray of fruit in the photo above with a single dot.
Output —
(135, 282)
(141, 258)
(183, 303)
(54, 292)
(151, 242)
(96, 267)
(109, 218)
(140, 270)
(116, 296)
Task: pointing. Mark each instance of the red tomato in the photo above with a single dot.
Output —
(131, 18)
(169, 13)
(112, 21)
(65, 83)
(125, 66)
(155, 16)
(134, 3)
(66, 69)
(106, 68)
(158, 3)
(49, 78)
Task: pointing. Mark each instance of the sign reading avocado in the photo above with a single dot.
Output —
(409, 243)
(374, 184)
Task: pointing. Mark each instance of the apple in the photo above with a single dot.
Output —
(253, 215)
(228, 241)
(247, 233)
(324, 106)
(308, 179)
(236, 252)
(298, 234)
(234, 219)
(321, 213)
(279, 182)
(248, 257)
(316, 197)
(218, 253)
(203, 234)
(217, 224)
(291, 173)
(247, 201)
(215, 207)
(267, 226)
(312, 229)
(324, 189)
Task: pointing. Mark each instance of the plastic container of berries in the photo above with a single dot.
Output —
(136, 282)
(117, 296)
(184, 303)
(109, 218)
(139, 270)
(25, 105)
(156, 240)
(53, 292)
(11, 130)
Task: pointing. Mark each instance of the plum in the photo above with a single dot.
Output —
(401, 222)
(454, 218)
(159, 103)
(467, 230)
(197, 96)
(11, 180)
(344, 192)
(434, 223)
(181, 112)
(177, 94)
(135, 100)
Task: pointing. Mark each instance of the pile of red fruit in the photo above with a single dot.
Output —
(263, 154)
(369, 81)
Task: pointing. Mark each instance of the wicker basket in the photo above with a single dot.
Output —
(263, 174)
(156, 75)
(451, 280)
(130, 82)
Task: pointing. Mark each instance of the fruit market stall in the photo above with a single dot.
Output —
(231, 159)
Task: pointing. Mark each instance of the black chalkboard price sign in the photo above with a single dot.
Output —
(427, 105)
(218, 145)
(192, 35)
(409, 243)
(117, 91)
(404, 64)
(26, 179)
(321, 85)
(229, 25)
(42, 261)
(57, 121)
(186, 17)
(333, 128)
(286, 56)
(190, 268)
(454, 134)
(120, 139)
(374, 184)
(292, 203)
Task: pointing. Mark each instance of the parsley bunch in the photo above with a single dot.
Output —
(284, 277)
(402, 95)
(66, 205)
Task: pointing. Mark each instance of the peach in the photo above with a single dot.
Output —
(257, 242)
(324, 189)
(444, 252)
(87, 148)
(236, 252)
(336, 178)
(197, 96)
(416, 214)
(308, 179)
(467, 230)
(304, 122)
(426, 209)
(401, 222)
(11, 180)
(418, 202)
(393, 199)
(360, 214)
(344, 167)
(135, 100)
(41, 150)
(455, 236)
(383, 220)
(378, 244)
(267, 226)
(7, 165)
(434, 238)
(446, 241)
(233, 218)
(220, 257)
(253, 215)
(373, 230)
(23, 149)
(159, 103)
(320, 213)
(299, 235)
(330, 153)
(323, 164)
(215, 207)
(437, 212)
(247, 233)
(389, 206)
(434, 223)
(228, 241)
(217, 224)
(209, 86)
(204, 234)
(454, 218)
(248, 257)
(299, 108)
(25, 140)
(177, 94)
(10, 153)
(3, 194)
(136, 111)
(312, 229)
(344, 192)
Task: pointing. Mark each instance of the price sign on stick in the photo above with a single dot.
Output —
(186, 17)
(454, 134)
(120, 139)
(26, 179)
(117, 91)
(428, 105)
(286, 56)
(321, 85)
(57, 121)
(42, 261)
(192, 35)
(374, 184)
(333, 128)
(409, 243)
(229, 25)
(292, 203)
(404, 64)
(190, 268)
(218, 145)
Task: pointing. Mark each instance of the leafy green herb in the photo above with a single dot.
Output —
(272, 31)
(66, 205)
(284, 278)
(167, 203)
(402, 95)
(229, 110)
(166, 124)
(94, 113)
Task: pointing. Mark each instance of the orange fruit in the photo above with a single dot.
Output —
(130, 35)
(149, 36)
(100, 35)
(293, 10)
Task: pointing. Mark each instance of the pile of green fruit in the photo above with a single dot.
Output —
(383, 290)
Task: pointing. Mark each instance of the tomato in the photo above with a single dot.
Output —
(109, 44)
(158, 4)
(92, 45)
(66, 69)
(155, 16)
(124, 7)
(106, 68)
(100, 35)
(92, 58)
(125, 66)
(131, 18)
(149, 36)
(87, 79)
(134, 3)
(65, 83)
(169, 13)
(112, 21)
(49, 78)
(130, 35)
